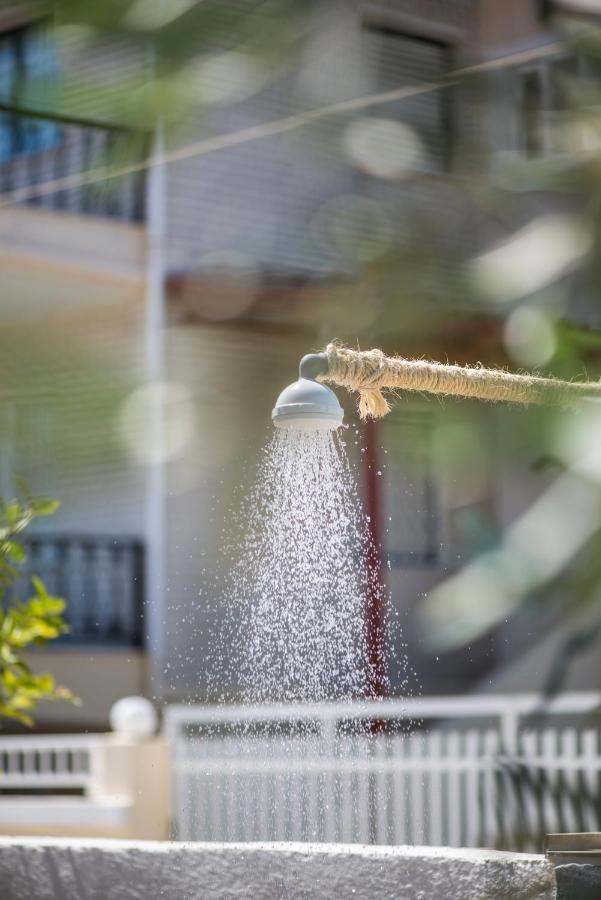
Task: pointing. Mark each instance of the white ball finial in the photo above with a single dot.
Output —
(133, 716)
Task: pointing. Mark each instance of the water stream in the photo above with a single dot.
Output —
(295, 631)
(302, 579)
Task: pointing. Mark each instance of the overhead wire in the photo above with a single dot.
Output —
(262, 130)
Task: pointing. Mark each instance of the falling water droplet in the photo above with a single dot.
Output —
(301, 581)
(294, 628)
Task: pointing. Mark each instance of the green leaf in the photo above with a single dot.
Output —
(21, 701)
(23, 488)
(63, 693)
(9, 679)
(11, 713)
(44, 507)
(7, 654)
(45, 606)
(25, 624)
(38, 586)
(13, 551)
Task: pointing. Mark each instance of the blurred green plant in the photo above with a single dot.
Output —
(527, 299)
(25, 624)
(537, 283)
(176, 53)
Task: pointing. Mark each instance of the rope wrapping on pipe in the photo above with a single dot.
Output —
(370, 372)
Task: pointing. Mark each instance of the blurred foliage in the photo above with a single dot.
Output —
(533, 303)
(543, 801)
(164, 47)
(27, 624)
(501, 264)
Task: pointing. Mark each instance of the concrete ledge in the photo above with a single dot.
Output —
(578, 882)
(71, 869)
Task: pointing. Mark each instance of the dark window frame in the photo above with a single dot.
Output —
(14, 106)
(35, 133)
(447, 101)
(421, 423)
(530, 140)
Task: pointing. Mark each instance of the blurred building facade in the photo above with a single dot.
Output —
(149, 320)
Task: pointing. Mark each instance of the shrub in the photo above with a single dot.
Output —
(25, 624)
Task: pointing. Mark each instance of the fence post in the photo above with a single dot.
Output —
(509, 722)
(134, 770)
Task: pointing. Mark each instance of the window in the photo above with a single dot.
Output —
(544, 107)
(532, 104)
(411, 513)
(402, 60)
(28, 75)
(438, 489)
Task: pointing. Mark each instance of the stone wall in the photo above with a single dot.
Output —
(69, 869)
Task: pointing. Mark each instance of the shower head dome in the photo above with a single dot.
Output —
(307, 405)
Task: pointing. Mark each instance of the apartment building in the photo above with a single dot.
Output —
(149, 320)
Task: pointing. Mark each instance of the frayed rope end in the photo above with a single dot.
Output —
(372, 404)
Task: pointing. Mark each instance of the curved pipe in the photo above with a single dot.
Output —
(312, 365)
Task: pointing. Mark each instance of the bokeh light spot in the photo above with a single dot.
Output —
(224, 78)
(172, 406)
(529, 336)
(532, 258)
(224, 286)
(382, 147)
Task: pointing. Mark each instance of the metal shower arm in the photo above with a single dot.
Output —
(313, 364)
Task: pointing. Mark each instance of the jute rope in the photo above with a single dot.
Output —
(370, 372)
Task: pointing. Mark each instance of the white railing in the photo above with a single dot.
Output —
(39, 763)
(109, 785)
(457, 771)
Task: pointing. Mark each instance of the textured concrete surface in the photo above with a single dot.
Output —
(65, 869)
(578, 882)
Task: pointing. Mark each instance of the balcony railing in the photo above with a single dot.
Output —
(79, 784)
(42, 156)
(102, 579)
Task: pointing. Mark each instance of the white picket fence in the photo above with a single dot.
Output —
(455, 771)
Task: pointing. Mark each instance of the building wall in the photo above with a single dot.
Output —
(268, 203)
(98, 676)
(75, 313)
(72, 324)
(72, 352)
(231, 377)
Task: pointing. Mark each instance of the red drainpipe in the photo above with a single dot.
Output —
(374, 611)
